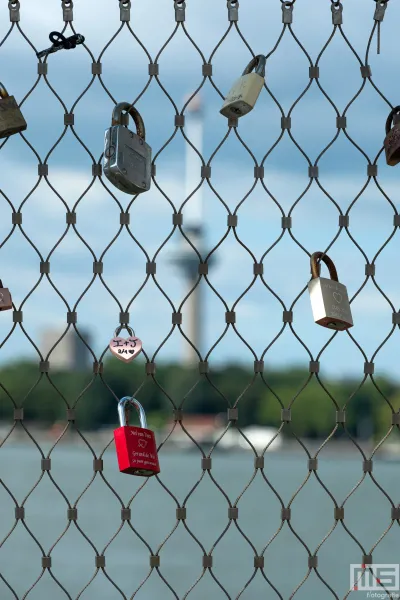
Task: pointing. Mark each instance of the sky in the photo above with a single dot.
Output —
(342, 175)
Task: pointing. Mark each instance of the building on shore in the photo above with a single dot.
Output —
(69, 354)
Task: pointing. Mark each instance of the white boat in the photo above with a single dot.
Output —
(258, 436)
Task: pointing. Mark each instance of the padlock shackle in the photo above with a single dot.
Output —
(3, 92)
(316, 267)
(124, 407)
(117, 114)
(124, 326)
(390, 118)
(258, 63)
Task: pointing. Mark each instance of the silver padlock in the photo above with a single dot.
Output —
(245, 91)
(127, 157)
(329, 299)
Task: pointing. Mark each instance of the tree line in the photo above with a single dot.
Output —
(94, 397)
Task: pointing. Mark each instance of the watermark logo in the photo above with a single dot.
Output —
(375, 578)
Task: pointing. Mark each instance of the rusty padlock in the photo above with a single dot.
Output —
(392, 139)
(5, 298)
(329, 299)
(11, 119)
(136, 446)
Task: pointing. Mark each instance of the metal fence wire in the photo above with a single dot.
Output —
(179, 24)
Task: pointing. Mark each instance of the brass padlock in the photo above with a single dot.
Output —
(11, 119)
(5, 298)
(245, 91)
(392, 139)
(329, 300)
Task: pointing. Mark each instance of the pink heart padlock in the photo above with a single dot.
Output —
(126, 349)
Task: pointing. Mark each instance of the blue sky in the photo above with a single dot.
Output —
(315, 218)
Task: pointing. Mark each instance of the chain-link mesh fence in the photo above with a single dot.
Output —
(325, 214)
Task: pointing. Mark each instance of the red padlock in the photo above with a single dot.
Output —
(136, 446)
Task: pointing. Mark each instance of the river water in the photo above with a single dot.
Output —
(367, 516)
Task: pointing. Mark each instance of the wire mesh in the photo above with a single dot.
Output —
(179, 24)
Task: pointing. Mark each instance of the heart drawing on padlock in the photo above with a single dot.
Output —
(142, 443)
(126, 349)
(338, 297)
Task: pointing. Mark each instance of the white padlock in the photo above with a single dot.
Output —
(245, 91)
